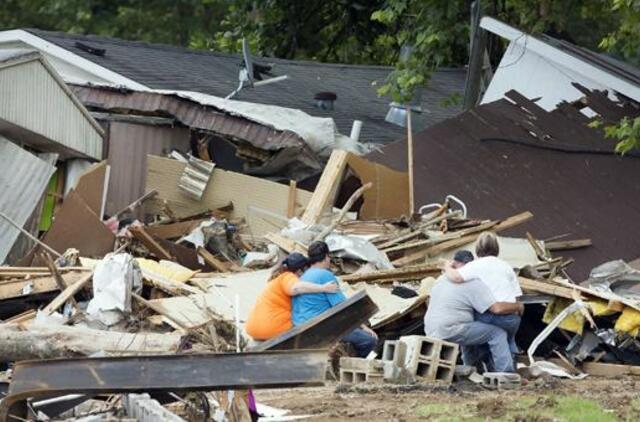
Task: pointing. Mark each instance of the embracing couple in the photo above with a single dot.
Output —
(474, 303)
(300, 289)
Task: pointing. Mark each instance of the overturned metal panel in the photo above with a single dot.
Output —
(23, 179)
(165, 373)
(34, 101)
(195, 177)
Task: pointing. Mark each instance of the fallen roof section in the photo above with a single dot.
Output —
(511, 155)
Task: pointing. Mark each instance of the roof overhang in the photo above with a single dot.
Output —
(57, 53)
(561, 58)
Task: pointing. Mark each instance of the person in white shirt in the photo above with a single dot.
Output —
(499, 278)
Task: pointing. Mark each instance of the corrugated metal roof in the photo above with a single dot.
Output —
(34, 102)
(23, 179)
(510, 156)
(190, 114)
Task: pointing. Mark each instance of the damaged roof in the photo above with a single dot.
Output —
(167, 67)
(510, 156)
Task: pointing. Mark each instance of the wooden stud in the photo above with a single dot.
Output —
(149, 242)
(291, 206)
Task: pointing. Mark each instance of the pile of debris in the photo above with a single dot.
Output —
(174, 275)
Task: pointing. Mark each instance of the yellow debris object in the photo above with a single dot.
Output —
(629, 322)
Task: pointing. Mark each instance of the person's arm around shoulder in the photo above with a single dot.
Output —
(505, 308)
(452, 274)
(304, 287)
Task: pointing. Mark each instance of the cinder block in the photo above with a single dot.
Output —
(356, 364)
(395, 351)
(501, 380)
(352, 377)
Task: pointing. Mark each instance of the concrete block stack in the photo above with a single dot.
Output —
(406, 359)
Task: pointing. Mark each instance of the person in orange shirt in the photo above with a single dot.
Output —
(271, 315)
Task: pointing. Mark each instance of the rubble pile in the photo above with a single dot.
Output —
(176, 274)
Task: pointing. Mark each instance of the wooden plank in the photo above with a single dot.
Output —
(39, 284)
(291, 207)
(568, 244)
(56, 276)
(545, 288)
(286, 244)
(172, 230)
(455, 243)
(212, 260)
(154, 247)
(66, 294)
(598, 369)
(327, 187)
(225, 187)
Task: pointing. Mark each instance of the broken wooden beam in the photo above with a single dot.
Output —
(567, 244)
(66, 294)
(150, 243)
(325, 191)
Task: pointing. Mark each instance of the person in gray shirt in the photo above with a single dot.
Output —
(450, 317)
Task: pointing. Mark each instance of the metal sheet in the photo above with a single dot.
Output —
(23, 179)
(175, 373)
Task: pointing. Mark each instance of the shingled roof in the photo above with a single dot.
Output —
(168, 67)
(511, 156)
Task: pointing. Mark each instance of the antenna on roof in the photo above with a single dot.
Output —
(251, 74)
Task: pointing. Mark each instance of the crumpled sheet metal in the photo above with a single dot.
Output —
(615, 277)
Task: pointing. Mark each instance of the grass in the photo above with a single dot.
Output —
(522, 408)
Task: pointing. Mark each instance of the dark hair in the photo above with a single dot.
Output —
(318, 251)
(487, 245)
(463, 256)
(294, 262)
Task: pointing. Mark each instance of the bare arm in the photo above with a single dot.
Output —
(504, 308)
(304, 287)
(452, 274)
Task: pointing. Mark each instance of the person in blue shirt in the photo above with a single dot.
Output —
(307, 306)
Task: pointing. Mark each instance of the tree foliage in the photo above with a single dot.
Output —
(345, 31)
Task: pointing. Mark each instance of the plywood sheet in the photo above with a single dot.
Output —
(224, 187)
(389, 195)
(91, 186)
(76, 226)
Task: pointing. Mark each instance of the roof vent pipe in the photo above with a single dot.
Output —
(355, 130)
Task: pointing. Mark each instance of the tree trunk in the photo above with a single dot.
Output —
(47, 342)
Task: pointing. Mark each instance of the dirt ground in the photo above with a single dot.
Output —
(591, 399)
